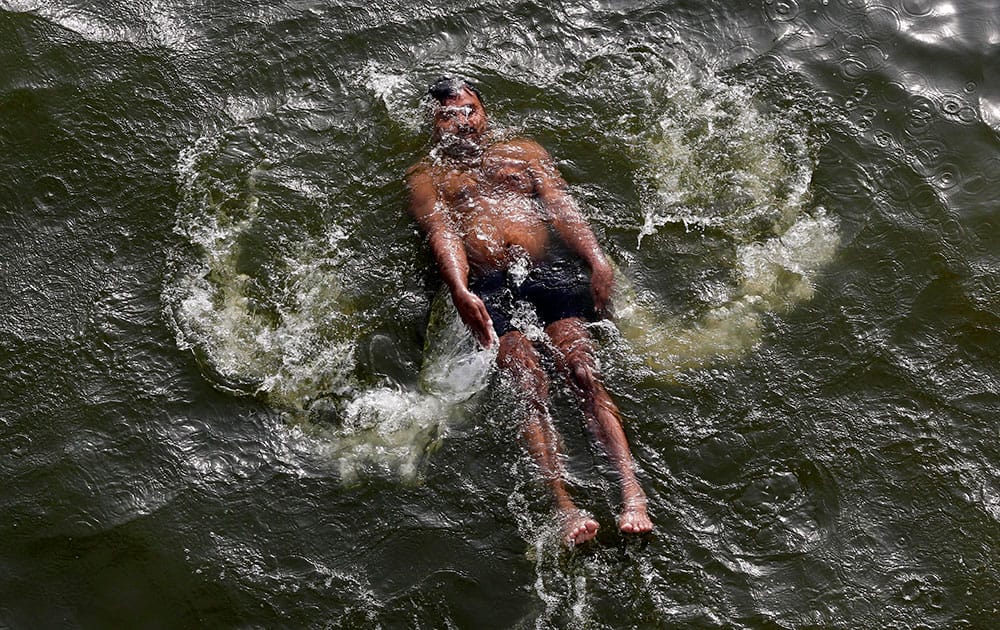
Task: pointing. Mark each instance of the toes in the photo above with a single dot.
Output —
(580, 531)
(635, 523)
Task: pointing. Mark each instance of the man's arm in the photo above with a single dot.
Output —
(570, 225)
(449, 253)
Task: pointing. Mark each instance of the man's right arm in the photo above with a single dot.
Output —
(449, 253)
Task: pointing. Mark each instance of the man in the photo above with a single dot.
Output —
(507, 237)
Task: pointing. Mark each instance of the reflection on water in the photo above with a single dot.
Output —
(233, 397)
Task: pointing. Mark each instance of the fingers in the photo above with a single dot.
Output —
(485, 330)
(486, 323)
(602, 282)
(602, 302)
(477, 318)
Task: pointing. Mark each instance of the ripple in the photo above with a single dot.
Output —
(968, 114)
(781, 10)
(886, 281)
(913, 82)
(946, 176)
(895, 93)
(951, 105)
(50, 191)
(847, 17)
(930, 151)
(920, 114)
(739, 54)
(853, 67)
(883, 23)
(918, 8)
(955, 107)
(975, 184)
(782, 511)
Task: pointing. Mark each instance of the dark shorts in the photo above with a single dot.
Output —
(554, 290)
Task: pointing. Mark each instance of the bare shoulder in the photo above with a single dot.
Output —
(421, 189)
(521, 148)
(419, 173)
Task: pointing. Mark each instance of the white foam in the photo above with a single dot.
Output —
(719, 164)
(300, 354)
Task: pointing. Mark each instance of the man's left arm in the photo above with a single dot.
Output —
(571, 226)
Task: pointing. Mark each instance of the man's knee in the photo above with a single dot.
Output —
(583, 371)
(517, 352)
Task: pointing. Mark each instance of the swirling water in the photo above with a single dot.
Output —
(234, 395)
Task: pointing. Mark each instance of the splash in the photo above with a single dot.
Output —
(273, 287)
(721, 167)
(285, 323)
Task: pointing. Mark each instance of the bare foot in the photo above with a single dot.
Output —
(633, 519)
(578, 527)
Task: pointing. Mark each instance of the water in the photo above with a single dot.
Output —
(235, 395)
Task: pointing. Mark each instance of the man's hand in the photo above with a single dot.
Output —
(602, 282)
(473, 312)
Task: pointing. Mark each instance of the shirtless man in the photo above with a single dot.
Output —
(504, 230)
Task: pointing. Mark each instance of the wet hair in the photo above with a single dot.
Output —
(449, 87)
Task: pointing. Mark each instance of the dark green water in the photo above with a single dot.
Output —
(226, 401)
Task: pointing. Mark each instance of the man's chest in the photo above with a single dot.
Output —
(493, 180)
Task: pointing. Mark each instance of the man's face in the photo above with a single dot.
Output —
(460, 117)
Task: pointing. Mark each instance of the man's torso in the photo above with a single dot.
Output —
(492, 204)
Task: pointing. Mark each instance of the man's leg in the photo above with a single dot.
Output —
(520, 362)
(575, 358)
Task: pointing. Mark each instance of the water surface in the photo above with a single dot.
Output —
(234, 396)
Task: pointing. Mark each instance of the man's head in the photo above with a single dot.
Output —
(458, 113)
